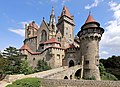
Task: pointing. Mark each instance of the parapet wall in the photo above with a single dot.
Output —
(78, 83)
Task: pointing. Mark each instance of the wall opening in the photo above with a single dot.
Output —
(43, 36)
(78, 74)
(65, 77)
(70, 76)
(71, 63)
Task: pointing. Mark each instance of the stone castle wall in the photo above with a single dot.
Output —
(78, 83)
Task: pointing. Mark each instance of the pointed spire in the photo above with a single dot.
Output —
(52, 13)
(65, 11)
(52, 21)
(90, 18)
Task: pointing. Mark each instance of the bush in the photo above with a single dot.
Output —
(42, 65)
(104, 75)
(26, 82)
(108, 76)
(90, 78)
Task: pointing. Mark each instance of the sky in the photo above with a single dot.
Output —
(14, 14)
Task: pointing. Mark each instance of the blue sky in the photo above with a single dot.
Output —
(15, 13)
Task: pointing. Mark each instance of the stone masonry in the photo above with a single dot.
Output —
(55, 43)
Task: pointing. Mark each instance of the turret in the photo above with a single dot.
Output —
(31, 30)
(90, 35)
(66, 26)
(52, 21)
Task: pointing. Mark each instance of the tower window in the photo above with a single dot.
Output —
(59, 39)
(86, 62)
(43, 36)
(29, 32)
(58, 56)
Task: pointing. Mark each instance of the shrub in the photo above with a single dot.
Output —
(108, 76)
(90, 78)
(26, 82)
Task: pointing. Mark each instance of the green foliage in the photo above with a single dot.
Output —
(42, 65)
(104, 75)
(11, 62)
(25, 69)
(26, 82)
(3, 64)
(112, 65)
(102, 69)
(13, 56)
(11, 52)
(90, 78)
(108, 76)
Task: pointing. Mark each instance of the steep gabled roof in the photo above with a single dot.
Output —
(24, 47)
(33, 24)
(46, 24)
(71, 46)
(90, 19)
(52, 40)
(65, 12)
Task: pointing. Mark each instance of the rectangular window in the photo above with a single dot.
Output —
(86, 62)
(58, 56)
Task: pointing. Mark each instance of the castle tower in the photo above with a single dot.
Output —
(90, 35)
(66, 26)
(52, 21)
(31, 31)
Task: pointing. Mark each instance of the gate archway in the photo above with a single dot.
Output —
(78, 74)
(71, 63)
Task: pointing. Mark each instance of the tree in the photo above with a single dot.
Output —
(104, 75)
(42, 65)
(13, 56)
(112, 65)
(10, 52)
(25, 69)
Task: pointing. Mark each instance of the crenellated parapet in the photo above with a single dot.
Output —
(89, 36)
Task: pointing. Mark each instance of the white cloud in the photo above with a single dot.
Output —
(111, 38)
(20, 32)
(94, 4)
(64, 1)
(104, 52)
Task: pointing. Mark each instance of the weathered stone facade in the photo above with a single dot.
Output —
(55, 43)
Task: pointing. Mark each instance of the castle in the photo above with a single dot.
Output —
(55, 43)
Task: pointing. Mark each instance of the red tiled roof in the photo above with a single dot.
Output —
(24, 47)
(71, 46)
(90, 19)
(66, 12)
(32, 24)
(52, 40)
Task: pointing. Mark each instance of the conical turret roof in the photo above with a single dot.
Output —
(66, 12)
(90, 19)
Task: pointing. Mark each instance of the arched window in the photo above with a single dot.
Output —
(71, 63)
(65, 77)
(43, 36)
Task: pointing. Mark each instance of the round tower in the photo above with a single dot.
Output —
(90, 35)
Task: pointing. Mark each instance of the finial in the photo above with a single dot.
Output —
(52, 11)
(33, 21)
(43, 18)
(89, 12)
